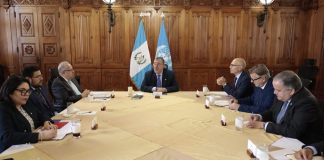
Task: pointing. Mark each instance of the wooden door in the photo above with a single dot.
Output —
(50, 50)
(27, 36)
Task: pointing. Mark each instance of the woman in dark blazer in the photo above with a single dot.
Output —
(21, 124)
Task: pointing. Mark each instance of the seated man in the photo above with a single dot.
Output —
(294, 113)
(308, 151)
(65, 88)
(159, 79)
(39, 95)
(262, 96)
(241, 86)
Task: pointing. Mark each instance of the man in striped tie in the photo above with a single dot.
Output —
(160, 79)
(294, 113)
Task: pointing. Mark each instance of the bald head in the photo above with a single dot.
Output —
(65, 70)
(240, 61)
(237, 66)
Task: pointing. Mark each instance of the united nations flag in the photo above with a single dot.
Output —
(163, 49)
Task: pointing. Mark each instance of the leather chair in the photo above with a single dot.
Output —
(2, 75)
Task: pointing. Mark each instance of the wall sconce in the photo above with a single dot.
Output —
(262, 17)
(111, 14)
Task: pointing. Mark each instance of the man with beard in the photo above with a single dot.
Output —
(39, 95)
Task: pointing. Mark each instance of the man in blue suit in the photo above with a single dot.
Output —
(241, 86)
(39, 95)
(159, 79)
(294, 113)
(263, 93)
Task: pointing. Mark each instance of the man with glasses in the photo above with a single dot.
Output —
(294, 113)
(262, 96)
(65, 88)
(159, 79)
(241, 86)
(39, 95)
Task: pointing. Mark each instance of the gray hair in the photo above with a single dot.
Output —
(160, 58)
(63, 66)
(289, 79)
(260, 69)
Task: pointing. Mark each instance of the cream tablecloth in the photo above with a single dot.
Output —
(175, 127)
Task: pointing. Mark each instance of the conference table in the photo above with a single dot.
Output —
(176, 126)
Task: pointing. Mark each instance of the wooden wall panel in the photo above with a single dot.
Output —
(115, 79)
(231, 34)
(182, 76)
(257, 41)
(89, 78)
(112, 44)
(287, 39)
(200, 33)
(85, 37)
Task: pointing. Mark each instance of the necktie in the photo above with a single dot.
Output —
(282, 112)
(158, 81)
(74, 88)
(42, 97)
(235, 79)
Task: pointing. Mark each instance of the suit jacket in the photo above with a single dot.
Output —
(260, 100)
(14, 127)
(63, 93)
(243, 87)
(319, 148)
(168, 81)
(39, 99)
(302, 119)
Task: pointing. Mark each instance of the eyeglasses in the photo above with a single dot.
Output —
(24, 92)
(68, 70)
(38, 76)
(234, 65)
(255, 79)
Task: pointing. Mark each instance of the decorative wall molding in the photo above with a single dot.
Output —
(216, 4)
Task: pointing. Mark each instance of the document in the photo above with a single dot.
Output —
(288, 143)
(16, 148)
(64, 130)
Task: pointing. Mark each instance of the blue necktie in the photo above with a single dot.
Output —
(235, 79)
(158, 81)
(282, 112)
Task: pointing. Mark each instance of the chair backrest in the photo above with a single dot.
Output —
(321, 106)
(53, 74)
(2, 75)
(306, 82)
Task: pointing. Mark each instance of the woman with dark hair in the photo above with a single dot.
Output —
(19, 123)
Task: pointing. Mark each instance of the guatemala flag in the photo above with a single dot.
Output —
(140, 61)
(163, 49)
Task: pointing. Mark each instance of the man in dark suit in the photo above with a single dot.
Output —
(294, 114)
(262, 96)
(308, 151)
(159, 79)
(39, 95)
(241, 86)
(65, 88)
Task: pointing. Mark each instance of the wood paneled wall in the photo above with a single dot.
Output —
(204, 37)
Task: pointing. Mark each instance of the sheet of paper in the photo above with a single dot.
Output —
(221, 103)
(16, 148)
(288, 143)
(86, 113)
(281, 154)
(61, 133)
(100, 94)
